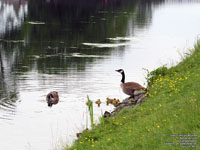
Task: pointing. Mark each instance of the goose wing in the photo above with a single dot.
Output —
(55, 95)
(133, 86)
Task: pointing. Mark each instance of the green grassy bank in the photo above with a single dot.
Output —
(170, 114)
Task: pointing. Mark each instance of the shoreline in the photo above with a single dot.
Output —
(171, 108)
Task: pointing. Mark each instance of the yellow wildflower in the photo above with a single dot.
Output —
(59, 140)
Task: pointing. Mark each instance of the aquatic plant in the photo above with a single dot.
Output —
(90, 107)
(101, 119)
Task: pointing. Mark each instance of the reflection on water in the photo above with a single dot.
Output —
(12, 15)
(73, 47)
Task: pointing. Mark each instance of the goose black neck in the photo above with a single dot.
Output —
(50, 96)
(123, 77)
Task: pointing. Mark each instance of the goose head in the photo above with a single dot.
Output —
(120, 71)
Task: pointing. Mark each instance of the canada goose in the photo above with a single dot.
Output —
(52, 98)
(130, 88)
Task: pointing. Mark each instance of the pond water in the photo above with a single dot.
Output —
(74, 47)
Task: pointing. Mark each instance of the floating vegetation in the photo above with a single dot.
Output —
(102, 12)
(84, 55)
(103, 45)
(12, 41)
(35, 22)
(123, 38)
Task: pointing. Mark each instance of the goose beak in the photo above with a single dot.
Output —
(117, 70)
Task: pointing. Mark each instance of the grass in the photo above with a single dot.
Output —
(171, 110)
(90, 108)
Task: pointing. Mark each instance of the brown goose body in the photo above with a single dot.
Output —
(130, 88)
(52, 98)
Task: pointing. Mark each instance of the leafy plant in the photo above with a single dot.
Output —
(153, 75)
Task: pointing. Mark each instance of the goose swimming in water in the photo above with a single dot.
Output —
(130, 88)
(52, 98)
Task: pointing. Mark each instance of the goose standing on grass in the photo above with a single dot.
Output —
(130, 88)
(52, 98)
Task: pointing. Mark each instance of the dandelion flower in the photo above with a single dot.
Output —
(59, 140)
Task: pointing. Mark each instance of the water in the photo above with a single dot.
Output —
(74, 48)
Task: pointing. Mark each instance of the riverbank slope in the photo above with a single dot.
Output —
(168, 119)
